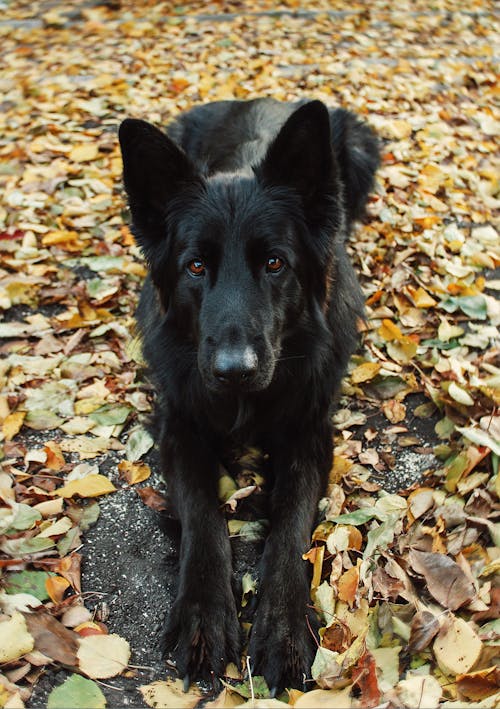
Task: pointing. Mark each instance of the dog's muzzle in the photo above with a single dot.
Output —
(234, 366)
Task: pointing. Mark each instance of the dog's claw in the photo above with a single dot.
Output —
(186, 684)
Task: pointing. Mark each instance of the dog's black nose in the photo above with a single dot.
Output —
(235, 365)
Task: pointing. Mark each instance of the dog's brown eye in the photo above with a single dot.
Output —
(196, 267)
(274, 264)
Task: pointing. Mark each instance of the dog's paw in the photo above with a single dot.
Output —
(282, 645)
(203, 636)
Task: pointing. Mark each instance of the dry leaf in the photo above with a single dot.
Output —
(15, 638)
(52, 638)
(445, 580)
(103, 656)
(170, 693)
(457, 647)
(92, 485)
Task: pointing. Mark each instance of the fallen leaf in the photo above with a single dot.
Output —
(445, 580)
(152, 498)
(327, 698)
(478, 685)
(424, 628)
(92, 485)
(103, 656)
(134, 472)
(417, 692)
(52, 638)
(12, 424)
(457, 647)
(170, 693)
(76, 692)
(15, 638)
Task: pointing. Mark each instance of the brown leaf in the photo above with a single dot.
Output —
(446, 581)
(53, 638)
(479, 685)
(152, 498)
(424, 627)
(337, 637)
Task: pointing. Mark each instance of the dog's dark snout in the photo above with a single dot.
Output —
(235, 365)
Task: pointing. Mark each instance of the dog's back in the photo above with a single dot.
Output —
(227, 136)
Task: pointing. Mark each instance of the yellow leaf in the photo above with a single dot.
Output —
(91, 485)
(84, 152)
(420, 297)
(134, 472)
(170, 693)
(364, 372)
(15, 640)
(12, 424)
(390, 331)
(327, 698)
(457, 647)
(55, 527)
(102, 656)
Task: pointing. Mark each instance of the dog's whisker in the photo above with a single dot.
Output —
(283, 359)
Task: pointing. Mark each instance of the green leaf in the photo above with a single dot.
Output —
(23, 547)
(76, 692)
(24, 518)
(444, 428)
(32, 582)
(380, 537)
(110, 415)
(64, 544)
(138, 443)
(42, 420)
(359, 516)
(472, 305)
(260, 688)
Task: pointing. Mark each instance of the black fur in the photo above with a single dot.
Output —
(249, 346)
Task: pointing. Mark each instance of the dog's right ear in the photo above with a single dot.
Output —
(154, 170)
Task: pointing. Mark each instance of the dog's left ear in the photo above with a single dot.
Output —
(154, 170)
(301, 155)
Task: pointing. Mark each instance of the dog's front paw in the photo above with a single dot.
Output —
(203, 636)
(282, 645)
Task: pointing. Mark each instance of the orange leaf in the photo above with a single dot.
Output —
(56, 586)
(55, 459)
(348, 585)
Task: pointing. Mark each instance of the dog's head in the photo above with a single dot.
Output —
(238, 259)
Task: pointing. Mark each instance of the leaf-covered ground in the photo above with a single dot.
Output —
(405, 562)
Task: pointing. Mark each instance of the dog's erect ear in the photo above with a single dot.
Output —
(301, 155)
(154, 170)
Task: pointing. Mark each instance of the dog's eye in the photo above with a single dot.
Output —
(196, 267)
(274, 264)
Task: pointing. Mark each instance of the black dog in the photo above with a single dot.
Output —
(248, 318)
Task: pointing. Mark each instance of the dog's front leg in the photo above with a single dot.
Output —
(282, 643)
(203, 628)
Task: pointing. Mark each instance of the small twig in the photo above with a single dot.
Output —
(313, 634)
(111, 686)
(250, 680)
